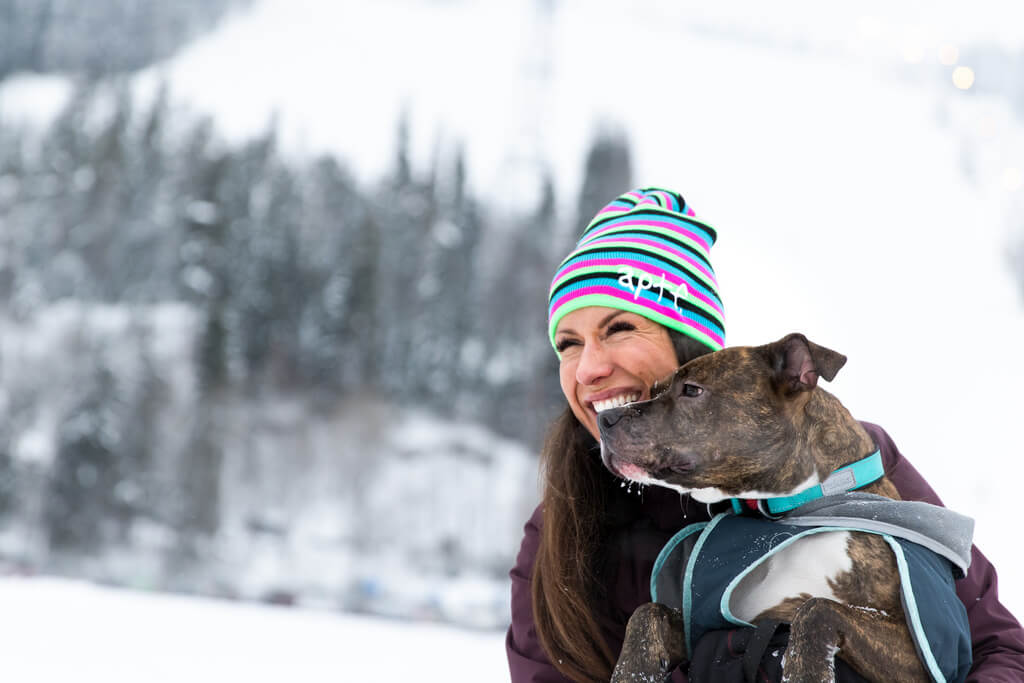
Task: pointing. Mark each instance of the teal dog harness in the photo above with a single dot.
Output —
(701, 566)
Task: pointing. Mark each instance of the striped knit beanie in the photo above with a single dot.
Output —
(648, 253)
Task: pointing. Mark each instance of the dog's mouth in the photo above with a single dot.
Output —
(676, 471)
(680, 469)
(633, 473)
(670, 478)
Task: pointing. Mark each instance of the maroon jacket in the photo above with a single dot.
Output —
(997, 637)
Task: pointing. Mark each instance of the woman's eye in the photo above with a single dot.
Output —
(563, 344)
(692, 390)
(620, 326)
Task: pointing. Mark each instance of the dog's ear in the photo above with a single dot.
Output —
(798, 363)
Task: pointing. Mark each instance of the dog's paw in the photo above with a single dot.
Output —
(653, 646)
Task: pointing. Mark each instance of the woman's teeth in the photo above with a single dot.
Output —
(620, 400)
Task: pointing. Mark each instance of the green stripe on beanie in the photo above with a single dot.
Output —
(648, 253)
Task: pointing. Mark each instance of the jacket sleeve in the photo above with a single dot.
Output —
(997, 638)
(527, 661)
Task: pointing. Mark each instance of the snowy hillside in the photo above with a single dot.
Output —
(117, 636)
(374, 509)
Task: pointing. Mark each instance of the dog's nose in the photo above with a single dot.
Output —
(608, 418)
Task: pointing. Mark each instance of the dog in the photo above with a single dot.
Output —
(752, 423)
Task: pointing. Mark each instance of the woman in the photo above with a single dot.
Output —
(636, 298)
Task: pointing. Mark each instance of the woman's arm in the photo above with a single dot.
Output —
(527, 661)
(996, 636)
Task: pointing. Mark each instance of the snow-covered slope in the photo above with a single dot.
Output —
(367, 507)
(56, 631)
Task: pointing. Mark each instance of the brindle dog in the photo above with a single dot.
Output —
(751, 422)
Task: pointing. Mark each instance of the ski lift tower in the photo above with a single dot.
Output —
(525, 166)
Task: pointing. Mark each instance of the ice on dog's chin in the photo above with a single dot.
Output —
(710, 495)
(713, 495)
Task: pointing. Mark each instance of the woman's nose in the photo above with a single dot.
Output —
(594, 364)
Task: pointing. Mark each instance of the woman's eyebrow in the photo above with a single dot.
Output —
(611, 316)
(604, 321)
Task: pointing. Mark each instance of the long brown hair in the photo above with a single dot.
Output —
(578, 493)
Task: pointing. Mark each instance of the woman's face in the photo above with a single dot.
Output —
(610, 357)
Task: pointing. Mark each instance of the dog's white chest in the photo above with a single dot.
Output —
(803, 566)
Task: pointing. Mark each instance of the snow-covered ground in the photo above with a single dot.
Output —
(54, 631)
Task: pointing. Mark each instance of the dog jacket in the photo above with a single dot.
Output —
(699, 568)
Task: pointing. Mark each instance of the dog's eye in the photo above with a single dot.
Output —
(692, 390)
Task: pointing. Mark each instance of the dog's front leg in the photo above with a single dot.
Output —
(877, 645)
(653, 647)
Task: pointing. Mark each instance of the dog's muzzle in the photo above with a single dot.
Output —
(608, 418)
